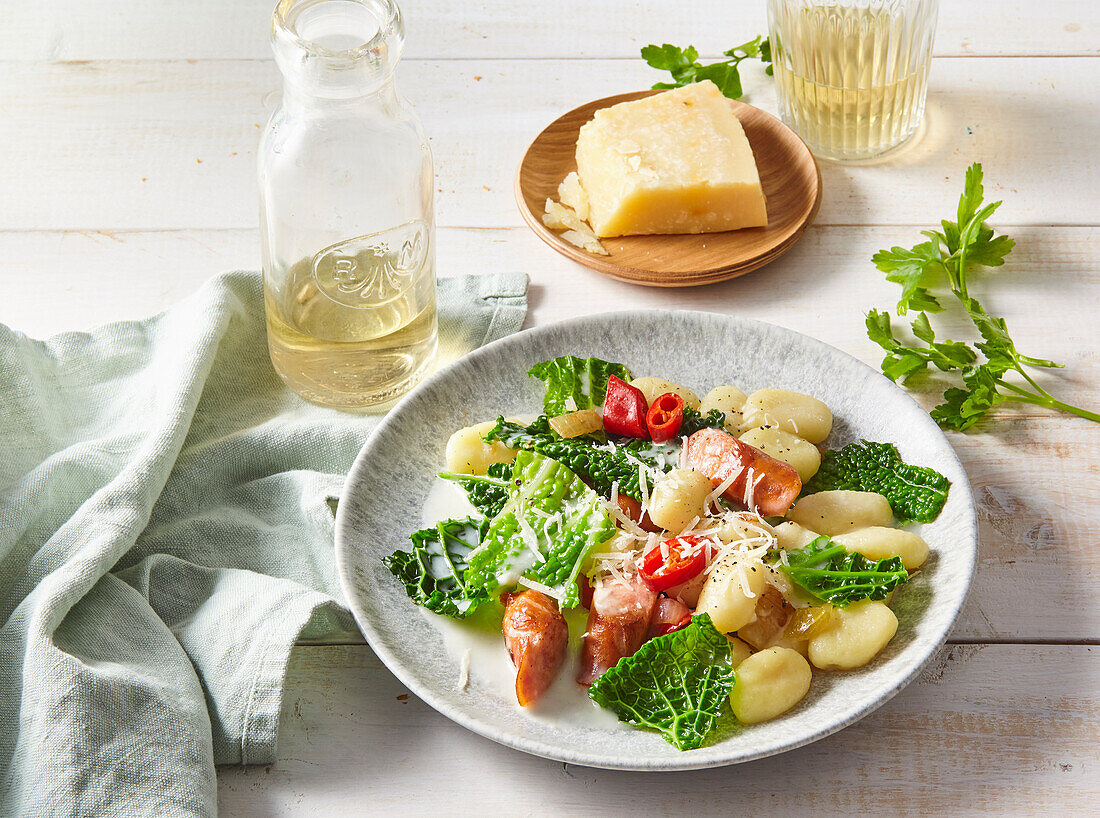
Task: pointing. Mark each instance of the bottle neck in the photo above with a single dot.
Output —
(382, 100)
(339, 51)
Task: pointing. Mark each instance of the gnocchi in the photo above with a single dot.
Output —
(739, 650)
(835, 512)
(653, 388)
(729, 595)
(879, 543)
(729, 531)
(854, 637)
(791, 449)
(468, 453)
(679, 499)
(791, 412)
(729, 400)
(790, 536)
(769, 683)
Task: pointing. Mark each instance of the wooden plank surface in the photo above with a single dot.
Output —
(170, 145)
(216, 29)
(988, 729)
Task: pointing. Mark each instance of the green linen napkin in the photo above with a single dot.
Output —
(166, 533)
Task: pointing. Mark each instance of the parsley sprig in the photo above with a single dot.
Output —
(685, 67)
(952, 253)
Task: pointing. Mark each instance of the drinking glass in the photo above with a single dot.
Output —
(852, 75)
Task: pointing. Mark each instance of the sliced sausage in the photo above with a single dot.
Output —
(669, 615)
(536, 636)
(719, 455)
(617, 624)
(633, 509)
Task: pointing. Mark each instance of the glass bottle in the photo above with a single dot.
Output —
(346, 217)
(851, 76)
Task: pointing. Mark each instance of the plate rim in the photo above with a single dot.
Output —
(680, 763)
(635, 275)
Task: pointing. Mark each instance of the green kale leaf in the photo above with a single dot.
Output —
(545, 530)
(675, 684)
(582, 379)
(433, 572)
(599, 467)
(693, 421)
(487, 493)
(915, 493)
(827, 571)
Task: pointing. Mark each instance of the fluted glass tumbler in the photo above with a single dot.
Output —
(852, 75)
(346, 214)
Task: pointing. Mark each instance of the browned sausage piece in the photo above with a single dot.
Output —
(719, 455)
(536, 636)
(617, 624)
(633, 509)
(668, 616)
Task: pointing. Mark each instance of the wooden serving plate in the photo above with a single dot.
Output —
(788, 174)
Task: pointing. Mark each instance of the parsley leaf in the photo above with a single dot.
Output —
(915, 493)
(675, 684)
(684, 65)
(827, 571)
(951, 253)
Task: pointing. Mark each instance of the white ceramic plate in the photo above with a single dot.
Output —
(387, 486)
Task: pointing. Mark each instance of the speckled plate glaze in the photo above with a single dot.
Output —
(387, 486)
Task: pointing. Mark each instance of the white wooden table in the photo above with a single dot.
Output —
(128, 133)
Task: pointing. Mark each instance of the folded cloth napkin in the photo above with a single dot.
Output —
(166, 533)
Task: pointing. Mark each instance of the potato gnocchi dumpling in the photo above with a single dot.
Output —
(729, 595)
(740, 528)
(769, 683)
(468, 453)
(791, 449)
(653, 388)
(854, 637)
(729, 400)
(791, 535)
(879, 543)
(739, 650)
(791, 412)
(836, 512)
(678, 499)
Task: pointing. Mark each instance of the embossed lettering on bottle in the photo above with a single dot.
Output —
(367, 271)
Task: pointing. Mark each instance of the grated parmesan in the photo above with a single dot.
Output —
(464, 671)
(711, 503)
(543, 589)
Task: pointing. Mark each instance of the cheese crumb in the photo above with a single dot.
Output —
(577, 233)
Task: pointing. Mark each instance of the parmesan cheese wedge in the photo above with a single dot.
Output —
(675, 162)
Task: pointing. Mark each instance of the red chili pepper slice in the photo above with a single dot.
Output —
(683, 562)
(665, 417)
(624, 409)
